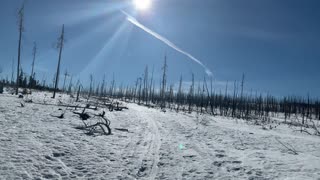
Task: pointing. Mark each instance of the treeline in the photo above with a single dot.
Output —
(25, 82)
(202, 97)
(202, 100)
(199, 97)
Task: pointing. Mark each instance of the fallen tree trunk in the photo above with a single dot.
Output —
(101, 125)
(65, 105)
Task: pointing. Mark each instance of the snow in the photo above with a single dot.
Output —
(159, 145)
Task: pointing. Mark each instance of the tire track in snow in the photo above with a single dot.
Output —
(156, 149)
(151, 157)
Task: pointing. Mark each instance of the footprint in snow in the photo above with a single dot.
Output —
(220, 155)
(57, 154)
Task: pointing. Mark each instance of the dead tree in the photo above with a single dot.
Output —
(164, 82)
(102, 86)
(202, 97)
(103, 122)
(83, 115)
(206, 89)
(135, 90)
(21, 30)
(241, 97)
(12, 72)
(225, 101)
(1, 84)
(78, 93)
(139, 91)
(32, 75)
(171, 96)
(234, 101)
(60, 46)
(145, 85)
(97, 90)
(212, 100)
(191, 94)
(70, 85)
(91, 86)
(64, 80)
(112, 86)
(179, 94)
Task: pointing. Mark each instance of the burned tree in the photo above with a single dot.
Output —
(191, 94)
(12, 72)
(145, 85)
(60, 46)
(164, 82)
(64, 80)
(32, 75)
(21, 30)
(179, 94)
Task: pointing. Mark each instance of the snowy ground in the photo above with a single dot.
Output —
(36, 145)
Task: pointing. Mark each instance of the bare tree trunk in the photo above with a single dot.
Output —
(34, 52)
(70, 86)
(139, 96)
(241, 97)
(102, 86)
(212, 102)
(112, 86)
(21, 29)
(60, 45)
(135, 90)
(150, 88)
(12, 73)
(145, 85)
(64, 80)
(225, 104)
(205, 88)
(235, 89)
(190, 96)
(90, 89)
(78, 93)
(164, 81)
(179, 93)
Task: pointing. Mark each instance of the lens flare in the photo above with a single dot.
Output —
(142, 4)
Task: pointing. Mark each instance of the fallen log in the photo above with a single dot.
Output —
(122, 129)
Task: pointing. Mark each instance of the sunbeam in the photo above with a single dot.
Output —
(99, 59)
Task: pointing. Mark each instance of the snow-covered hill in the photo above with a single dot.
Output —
(159, 145)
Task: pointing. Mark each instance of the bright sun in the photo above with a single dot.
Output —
(142, 4)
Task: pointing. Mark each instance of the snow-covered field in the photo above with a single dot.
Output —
(159, 145)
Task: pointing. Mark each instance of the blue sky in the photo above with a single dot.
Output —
(274, 42)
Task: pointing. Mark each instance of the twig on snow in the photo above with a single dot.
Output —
(290, 149)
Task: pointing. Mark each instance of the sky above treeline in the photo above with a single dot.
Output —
(276, 43)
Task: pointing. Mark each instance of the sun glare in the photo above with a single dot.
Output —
(142, 4)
